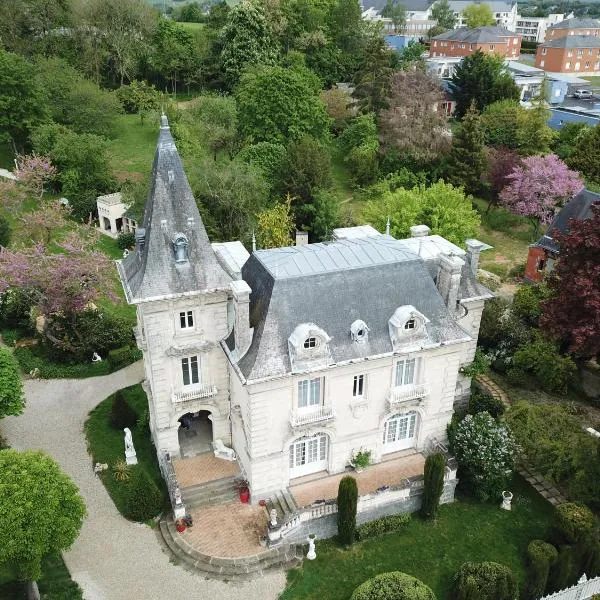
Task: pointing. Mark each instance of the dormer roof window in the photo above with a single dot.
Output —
(407, 325)
(308, 347)
(310, 342)
(359, 331)
(180, 247)
(410, 324)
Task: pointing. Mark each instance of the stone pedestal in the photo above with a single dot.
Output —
(131, 457)
(311, 555)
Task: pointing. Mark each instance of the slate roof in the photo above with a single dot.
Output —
(332, 285)
(573, 41)
(579, 208)
(487, 34)
(410, 5)
(152, 273)
(576, 23)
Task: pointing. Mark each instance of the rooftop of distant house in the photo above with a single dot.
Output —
(576, 23)
(485, 34)
(573, 41)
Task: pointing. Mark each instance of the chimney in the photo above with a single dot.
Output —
(301, 238)
(419, 231)
(241, 311)
(448, 280)
(474, 248)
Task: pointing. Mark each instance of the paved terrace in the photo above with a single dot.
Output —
(390, 472)
(203, 468)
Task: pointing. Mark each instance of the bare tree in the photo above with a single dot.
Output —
(412, 123)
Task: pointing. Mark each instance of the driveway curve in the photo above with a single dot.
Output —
(112, 559)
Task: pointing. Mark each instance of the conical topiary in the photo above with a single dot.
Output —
(121, 414)
(144, 498)
(347, 500)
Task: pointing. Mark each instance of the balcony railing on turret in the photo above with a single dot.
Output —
(196, 392)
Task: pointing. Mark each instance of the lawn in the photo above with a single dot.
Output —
(106, 444)
(431, 551)
(510, 236)
(132, 151)
(55, 583)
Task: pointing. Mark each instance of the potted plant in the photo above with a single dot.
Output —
(180, 525)
(361, 459)
(243, 489)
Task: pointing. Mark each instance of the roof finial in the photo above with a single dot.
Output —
(387, 226)
(253, 242)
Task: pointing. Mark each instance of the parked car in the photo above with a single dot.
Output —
(583, 94)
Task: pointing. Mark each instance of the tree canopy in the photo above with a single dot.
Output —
(586, 155)
(442, 12)
(478, 15)
(41, 510)
(483, 79)
(12, 399)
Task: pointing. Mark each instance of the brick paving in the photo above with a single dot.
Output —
(203, 468)
(227, 530)
(390, 473)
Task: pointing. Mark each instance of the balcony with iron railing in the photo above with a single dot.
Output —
(195, 392)
(404, 394)
(305, 418)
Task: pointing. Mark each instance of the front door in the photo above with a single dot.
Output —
(400, 432)
(308, 455)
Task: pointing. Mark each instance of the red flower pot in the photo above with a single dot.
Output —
(180, 526)
(245, 496)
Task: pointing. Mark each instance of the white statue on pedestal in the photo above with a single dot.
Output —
(506, 500)
(130, 456)
(311, 555)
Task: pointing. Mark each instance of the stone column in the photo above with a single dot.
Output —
(448, 280)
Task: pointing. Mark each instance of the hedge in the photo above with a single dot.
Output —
(393, 586)
(390, 524)
(484, 581)
(541, 556)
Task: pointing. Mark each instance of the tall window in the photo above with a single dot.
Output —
(190, 370)
(405, 372)
(358, 387)
(309, 392)
(186, 319)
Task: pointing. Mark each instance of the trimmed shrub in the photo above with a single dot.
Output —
(347, 500)
(36, 358)
(126, 240)
(575, 523)
(435, 468)
(121, 414)
(561, 575)
(540, 557)
(390, 524)
(393, 586)
(144, 499)
(481, 401)
(490, 580)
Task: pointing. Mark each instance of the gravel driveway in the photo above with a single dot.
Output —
(112, 559)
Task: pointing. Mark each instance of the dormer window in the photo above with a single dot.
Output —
(407, 325)
(359, 331)
(410, 324)
(310, 342)
(180, 247)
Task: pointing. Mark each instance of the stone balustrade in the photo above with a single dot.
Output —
(302, 418)
(407, 393)
(168, 472)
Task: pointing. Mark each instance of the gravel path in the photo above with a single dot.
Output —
(112, 559)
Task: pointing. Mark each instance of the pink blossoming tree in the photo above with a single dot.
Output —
(538, 186)
(34, 171)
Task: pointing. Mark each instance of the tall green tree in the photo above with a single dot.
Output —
(247, 40)
(23, 102)
(346, 25)
(396, 12)
(467, 161)
(12, 399)
(372, 80)
(433, 484)
(483, 79)
(347, 500)
(586, 155)
(144, 97)
(41, 511)
(321, 216)
(275, 225)
(478, 15)
(277, 104)
(442, 12)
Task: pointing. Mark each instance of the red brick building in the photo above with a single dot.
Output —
(570, 54)
(464, 41)
(573, 27)
(542, 254)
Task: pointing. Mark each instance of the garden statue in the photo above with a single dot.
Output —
(96, 357)
(125, 253)
(311, 547)
(506, 500)
(273, 516)
(130, 456)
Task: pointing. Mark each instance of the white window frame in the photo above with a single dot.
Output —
(190, 370)
(310, 393)
(308, 455)
(359, 386)
(405, 372)
(186, 319)
(400, 432)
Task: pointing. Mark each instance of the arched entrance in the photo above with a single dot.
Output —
(195, 433)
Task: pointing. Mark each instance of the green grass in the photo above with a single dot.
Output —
(55, 583)
(105, 444)
(510, 236)
(132, 151)
(593, 80)
(193, 27)
(431, 551)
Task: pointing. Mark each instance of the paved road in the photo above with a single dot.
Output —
(112, 559)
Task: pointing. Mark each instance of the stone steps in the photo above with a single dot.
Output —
(229, 569)
(210, 493)
(283, 503)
